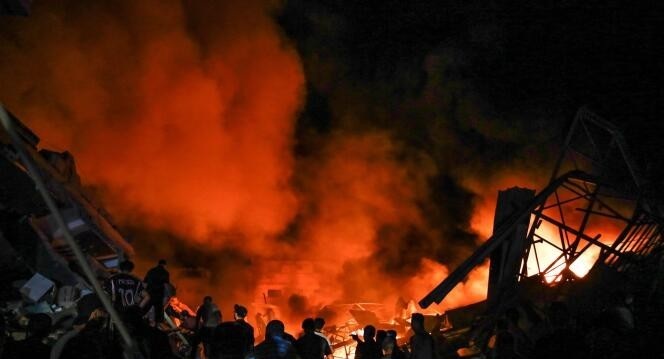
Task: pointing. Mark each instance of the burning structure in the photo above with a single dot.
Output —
(592, 235)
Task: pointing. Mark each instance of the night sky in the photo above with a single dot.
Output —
(527, 67)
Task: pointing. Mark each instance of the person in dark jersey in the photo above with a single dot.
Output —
(125, 289)
(310, 345)
(233, 340)
(156, 280)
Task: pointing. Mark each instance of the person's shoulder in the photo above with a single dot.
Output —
(226, 325)
(260, 346)
(125, 276)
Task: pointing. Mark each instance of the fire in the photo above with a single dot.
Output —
(547, 235)
(471, 291)
(183, 120)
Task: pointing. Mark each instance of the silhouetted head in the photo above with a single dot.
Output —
(275, 328)
(207, 300)
(392, 333)
(126, 266)
(39, 325)
(308, 325)
(380, 336)
(388, 345)
(162, 262)
(320, 323)
(369, 332)
(239, 311)
(417, 322)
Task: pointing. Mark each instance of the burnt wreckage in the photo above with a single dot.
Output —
(55, 243)
(596, 212)
(30, 240)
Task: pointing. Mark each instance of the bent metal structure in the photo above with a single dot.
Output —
(594, 216)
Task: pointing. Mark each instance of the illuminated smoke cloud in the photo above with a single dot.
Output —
(190, 129)
(195, 124)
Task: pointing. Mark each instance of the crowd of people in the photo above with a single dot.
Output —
(141, 305)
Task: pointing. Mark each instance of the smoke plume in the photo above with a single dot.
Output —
(254, 153)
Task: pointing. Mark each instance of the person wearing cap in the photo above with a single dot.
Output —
(156, 280)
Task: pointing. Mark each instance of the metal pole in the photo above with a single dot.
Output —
(69, 239)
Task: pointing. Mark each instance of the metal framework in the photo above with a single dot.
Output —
(592, 211)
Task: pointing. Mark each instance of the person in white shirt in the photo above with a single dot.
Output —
(320, 323)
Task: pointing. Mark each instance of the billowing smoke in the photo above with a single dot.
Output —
(182, 116)
(256, 159)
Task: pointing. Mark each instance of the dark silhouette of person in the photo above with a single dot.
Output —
(33, 346)
(156, 280)
(233, 340)
(421, 343)
(208, 317)
(380, 336)
(388, 345)
(310, 345)
(125, 289)
(368, 348)
(319, 325)
(275, 346)
(151, 342)
(240, 314)
(289, 337)
(397, 353)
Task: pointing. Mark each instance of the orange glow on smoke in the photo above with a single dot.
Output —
(471, 291)
(188, 127)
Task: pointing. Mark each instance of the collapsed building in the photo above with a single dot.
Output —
(590, 239)
(31, 243)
